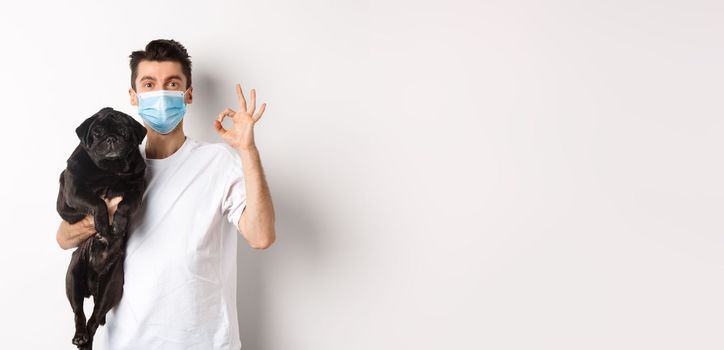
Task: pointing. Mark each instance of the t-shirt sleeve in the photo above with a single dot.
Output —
(234, 200)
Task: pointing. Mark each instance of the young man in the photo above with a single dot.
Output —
(180, 266)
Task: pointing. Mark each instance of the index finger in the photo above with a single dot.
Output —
(242, 100)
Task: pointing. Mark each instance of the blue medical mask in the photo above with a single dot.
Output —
(162, 110)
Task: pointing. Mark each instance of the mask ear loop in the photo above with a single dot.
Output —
(184, 95)
(138, 98)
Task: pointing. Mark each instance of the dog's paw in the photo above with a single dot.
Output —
(80, 339)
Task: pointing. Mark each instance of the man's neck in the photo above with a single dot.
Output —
(160, 146)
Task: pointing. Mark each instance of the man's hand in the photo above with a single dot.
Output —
(72, 235)
(241, 135)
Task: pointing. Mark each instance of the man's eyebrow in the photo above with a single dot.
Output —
(174, 77)
(148, 77)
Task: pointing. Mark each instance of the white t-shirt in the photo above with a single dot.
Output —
(180, 267)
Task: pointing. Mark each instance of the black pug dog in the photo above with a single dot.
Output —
(107, 163)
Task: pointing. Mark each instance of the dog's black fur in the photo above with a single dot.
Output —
(107, 163)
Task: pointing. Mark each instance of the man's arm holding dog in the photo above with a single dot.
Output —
(72, 235)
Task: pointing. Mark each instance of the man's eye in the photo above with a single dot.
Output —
(172, 84)
(147, 85)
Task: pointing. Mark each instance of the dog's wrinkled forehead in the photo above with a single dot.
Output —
(112, 120)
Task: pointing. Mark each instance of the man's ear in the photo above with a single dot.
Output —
(133, 96)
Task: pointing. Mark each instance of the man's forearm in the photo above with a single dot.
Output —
(257, 220)
(71, 235)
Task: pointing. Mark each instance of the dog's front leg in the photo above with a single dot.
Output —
(81, 199)
(127, 207)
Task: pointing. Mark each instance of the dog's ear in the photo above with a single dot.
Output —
(139, 130)
(82, 130)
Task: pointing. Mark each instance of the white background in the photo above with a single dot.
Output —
(446, 175)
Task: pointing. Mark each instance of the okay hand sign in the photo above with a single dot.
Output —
(241, 135)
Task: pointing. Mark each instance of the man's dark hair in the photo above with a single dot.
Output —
(162, 50)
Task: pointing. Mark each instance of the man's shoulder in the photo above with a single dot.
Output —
(214, 150)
